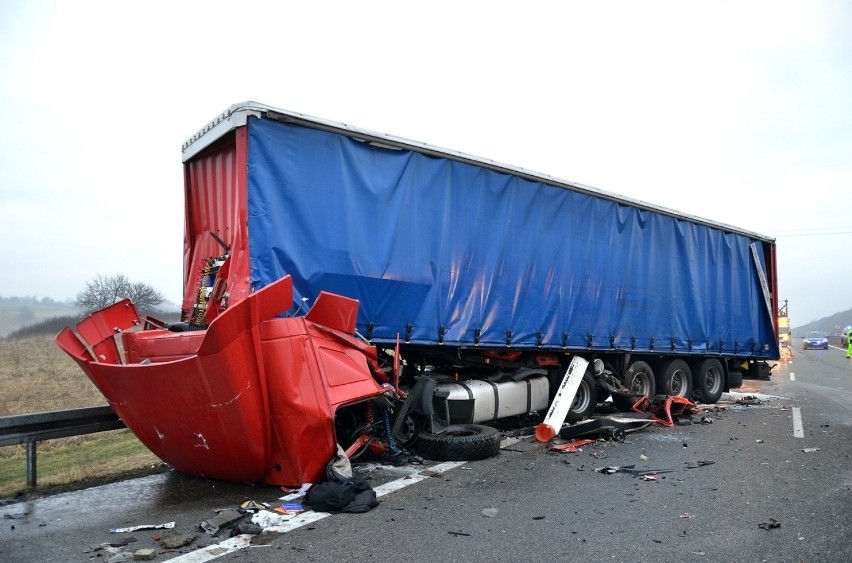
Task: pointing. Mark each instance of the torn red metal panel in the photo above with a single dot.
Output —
(665, 411)
(255, 400)
(570, 447)
(216, 203)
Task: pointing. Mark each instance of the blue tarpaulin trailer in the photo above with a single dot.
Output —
(449, 250)
(474, 265)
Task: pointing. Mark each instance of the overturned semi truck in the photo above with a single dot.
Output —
(346, 287)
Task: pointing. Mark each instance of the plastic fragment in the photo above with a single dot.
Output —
(569, 447)
(699, 463)
(489, 512)
(810, 450)
(772, 523)
(223, 517)
(246, 528)
(268, 519)
(143, 527)
(254, 505)
(630, 469)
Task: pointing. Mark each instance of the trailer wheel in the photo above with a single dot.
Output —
(639, 379)
(735, 379)
(585, 400)
(460, 442)
(709, 381)
(675, 379)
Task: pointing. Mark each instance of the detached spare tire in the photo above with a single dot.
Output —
(460, 442)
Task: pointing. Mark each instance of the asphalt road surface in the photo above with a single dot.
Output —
(779, 489)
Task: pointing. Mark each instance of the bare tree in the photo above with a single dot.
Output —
(106, 290)
(145, 297)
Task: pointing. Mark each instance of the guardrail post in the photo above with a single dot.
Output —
(30, 429)
(31, 464)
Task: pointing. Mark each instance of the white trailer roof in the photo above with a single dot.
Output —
(237, 115)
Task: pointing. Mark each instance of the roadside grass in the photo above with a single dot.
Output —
(76, 461)
(36, 376)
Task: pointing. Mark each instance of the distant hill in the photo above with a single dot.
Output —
(832, 325)
(18, 312)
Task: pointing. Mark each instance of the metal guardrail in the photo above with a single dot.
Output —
(30, 429)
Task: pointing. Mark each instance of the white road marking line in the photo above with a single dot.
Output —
(798, 430)
(792, 376)
(416, 477)
(216, 550)
(734, 395)
(243, 541)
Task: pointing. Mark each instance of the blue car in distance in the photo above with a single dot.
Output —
(815, 340)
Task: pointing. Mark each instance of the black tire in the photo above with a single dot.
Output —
(639, 379)
(675, 378)
(735, 379)
(460, 442)
(710, 381)
(585, 400)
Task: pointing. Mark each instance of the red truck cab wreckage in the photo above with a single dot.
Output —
(486, 279)
(252, 398)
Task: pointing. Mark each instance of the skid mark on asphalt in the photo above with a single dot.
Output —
(410, 477)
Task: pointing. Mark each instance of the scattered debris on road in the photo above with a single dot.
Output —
(749, 400)
(631, 470)
(174, 540)
(699, 463)
(223, 517)
(143, 527)
(570, 447)
(769, 525)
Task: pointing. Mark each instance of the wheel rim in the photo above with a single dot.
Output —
(581, 399)
(408, 430)
(680, 384)
(641, 383)
(713, 381)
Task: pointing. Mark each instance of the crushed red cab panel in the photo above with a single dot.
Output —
(334, 311)
(252, 398)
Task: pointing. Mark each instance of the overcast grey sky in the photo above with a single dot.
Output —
(740, 112)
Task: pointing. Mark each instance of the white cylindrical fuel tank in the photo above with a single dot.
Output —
(477, 400)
